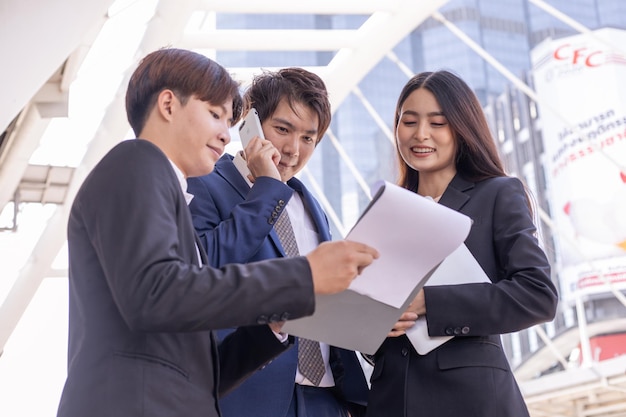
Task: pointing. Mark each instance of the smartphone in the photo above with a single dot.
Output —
(250, 127)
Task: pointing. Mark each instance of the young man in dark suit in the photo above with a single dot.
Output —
(143, 297)
(229, 211)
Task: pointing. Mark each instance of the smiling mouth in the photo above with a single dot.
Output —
(423, 150)
(216, 150)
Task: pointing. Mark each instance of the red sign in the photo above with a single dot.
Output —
(578, 56)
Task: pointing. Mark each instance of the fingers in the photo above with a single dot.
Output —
(357, 254)
(405, 322)
(258, 145)
(254, 144)
(262, 158)
(276, 326)
(363, 248)
(408, 316)
(336, 264)
(403, 325)
(364, 255)
(275, 156)
(418, 305)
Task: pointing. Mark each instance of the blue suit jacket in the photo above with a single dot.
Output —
(235, 224)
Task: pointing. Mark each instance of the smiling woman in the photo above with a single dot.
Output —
(426, 141)
(445, 149)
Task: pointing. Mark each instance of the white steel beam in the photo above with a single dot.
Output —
(272, 40)
(327, 7)
(112, 130)
(34, 57)
(379, 34)
(30, 127)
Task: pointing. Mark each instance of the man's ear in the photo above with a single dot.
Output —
(165, 102)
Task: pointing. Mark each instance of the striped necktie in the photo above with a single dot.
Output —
(310, 362)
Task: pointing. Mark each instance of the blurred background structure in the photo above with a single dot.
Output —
(551, 76)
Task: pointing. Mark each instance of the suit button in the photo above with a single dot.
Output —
(274, 318)
(465, 330)
(457, 331)
(262, 319)
(285, 316)
(449, 331)
(404, 351)
(281, 202)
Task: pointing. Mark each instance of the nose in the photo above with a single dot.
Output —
(422, 131)
(291, 146)
(224, 134)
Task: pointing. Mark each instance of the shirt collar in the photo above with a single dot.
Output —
(182, 182)
(242, 167)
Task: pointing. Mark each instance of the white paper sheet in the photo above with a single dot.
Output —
(412, 233)
(349, 320)
(460, 267)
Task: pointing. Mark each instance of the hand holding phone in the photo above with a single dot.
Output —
(264, 160)
(250, 127)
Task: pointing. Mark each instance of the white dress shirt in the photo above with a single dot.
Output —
(188, 197)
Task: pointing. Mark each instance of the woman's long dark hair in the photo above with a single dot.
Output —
(477, 157)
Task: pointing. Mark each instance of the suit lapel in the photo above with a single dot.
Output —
(310, 205)
(226, 169)
(456, 194)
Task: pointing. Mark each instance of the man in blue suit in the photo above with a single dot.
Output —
(230, 211)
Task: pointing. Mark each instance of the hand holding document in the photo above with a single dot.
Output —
(460, 267)
(413, 235)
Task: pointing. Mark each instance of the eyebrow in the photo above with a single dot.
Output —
(431, 114)
(223, 107)
(291, 126)
(225, 110)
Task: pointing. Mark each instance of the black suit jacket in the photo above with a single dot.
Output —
(142, 309)
(470, 374)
